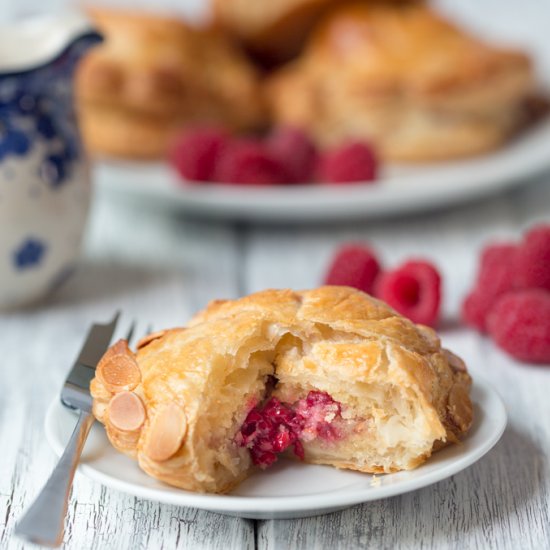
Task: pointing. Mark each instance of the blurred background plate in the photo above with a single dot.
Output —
(401, 189)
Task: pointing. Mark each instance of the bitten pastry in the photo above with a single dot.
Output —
(404, 78)
(152, 75)
(331, 376)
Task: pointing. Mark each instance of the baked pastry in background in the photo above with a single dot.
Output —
(274, 30)
(154, 74)
(401, 76)
(331, 373)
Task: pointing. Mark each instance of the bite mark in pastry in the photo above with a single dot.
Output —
(330, 376)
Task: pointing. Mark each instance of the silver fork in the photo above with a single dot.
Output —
(44, 521)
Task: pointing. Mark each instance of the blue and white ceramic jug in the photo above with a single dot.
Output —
(44, 180)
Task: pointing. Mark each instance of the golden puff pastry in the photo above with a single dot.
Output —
(154, 74)
(274, 30)
(331, 375)
(404, 78)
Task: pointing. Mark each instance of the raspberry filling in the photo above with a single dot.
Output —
(273, 427)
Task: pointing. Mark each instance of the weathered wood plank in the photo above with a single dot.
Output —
(504, 500)
(500, 502)
(154, 265)
(124, 250)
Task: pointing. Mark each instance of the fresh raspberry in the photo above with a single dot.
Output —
(195, 153)
(519, 323)
(498, 267)
(497, 275)
(271, 429)
(320, 416)
(251, 163)
(354, 265)
(295, 150)
(533, 269)
(414, 290)
(475, 308)
(351, 162)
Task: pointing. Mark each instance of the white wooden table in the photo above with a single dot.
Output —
(160, 268)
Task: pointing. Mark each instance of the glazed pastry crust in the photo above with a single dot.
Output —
(274, 30)
(334, 339)
(154, 74)
(417, 86)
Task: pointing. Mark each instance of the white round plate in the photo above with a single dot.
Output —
(289, 489)
(400, 189)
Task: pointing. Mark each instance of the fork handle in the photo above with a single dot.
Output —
(44, 521)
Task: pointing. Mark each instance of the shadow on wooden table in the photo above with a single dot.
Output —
(476, 508)
(94, 281)
(98, 288)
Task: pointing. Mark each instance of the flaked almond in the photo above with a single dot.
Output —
(149, 338)
(118, 369)
(126, 412)
(166, 432)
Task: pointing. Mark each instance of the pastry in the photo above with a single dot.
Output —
(331, 375)
(152, 75)
(180, 402)
(273, 30)
(415, 85)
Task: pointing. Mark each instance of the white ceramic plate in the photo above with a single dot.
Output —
(288, 489)
(400, 189)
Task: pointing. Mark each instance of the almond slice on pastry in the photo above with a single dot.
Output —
(118, 369)
(126, 412)
(166, 433)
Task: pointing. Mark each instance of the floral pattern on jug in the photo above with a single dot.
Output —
(44, 177)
